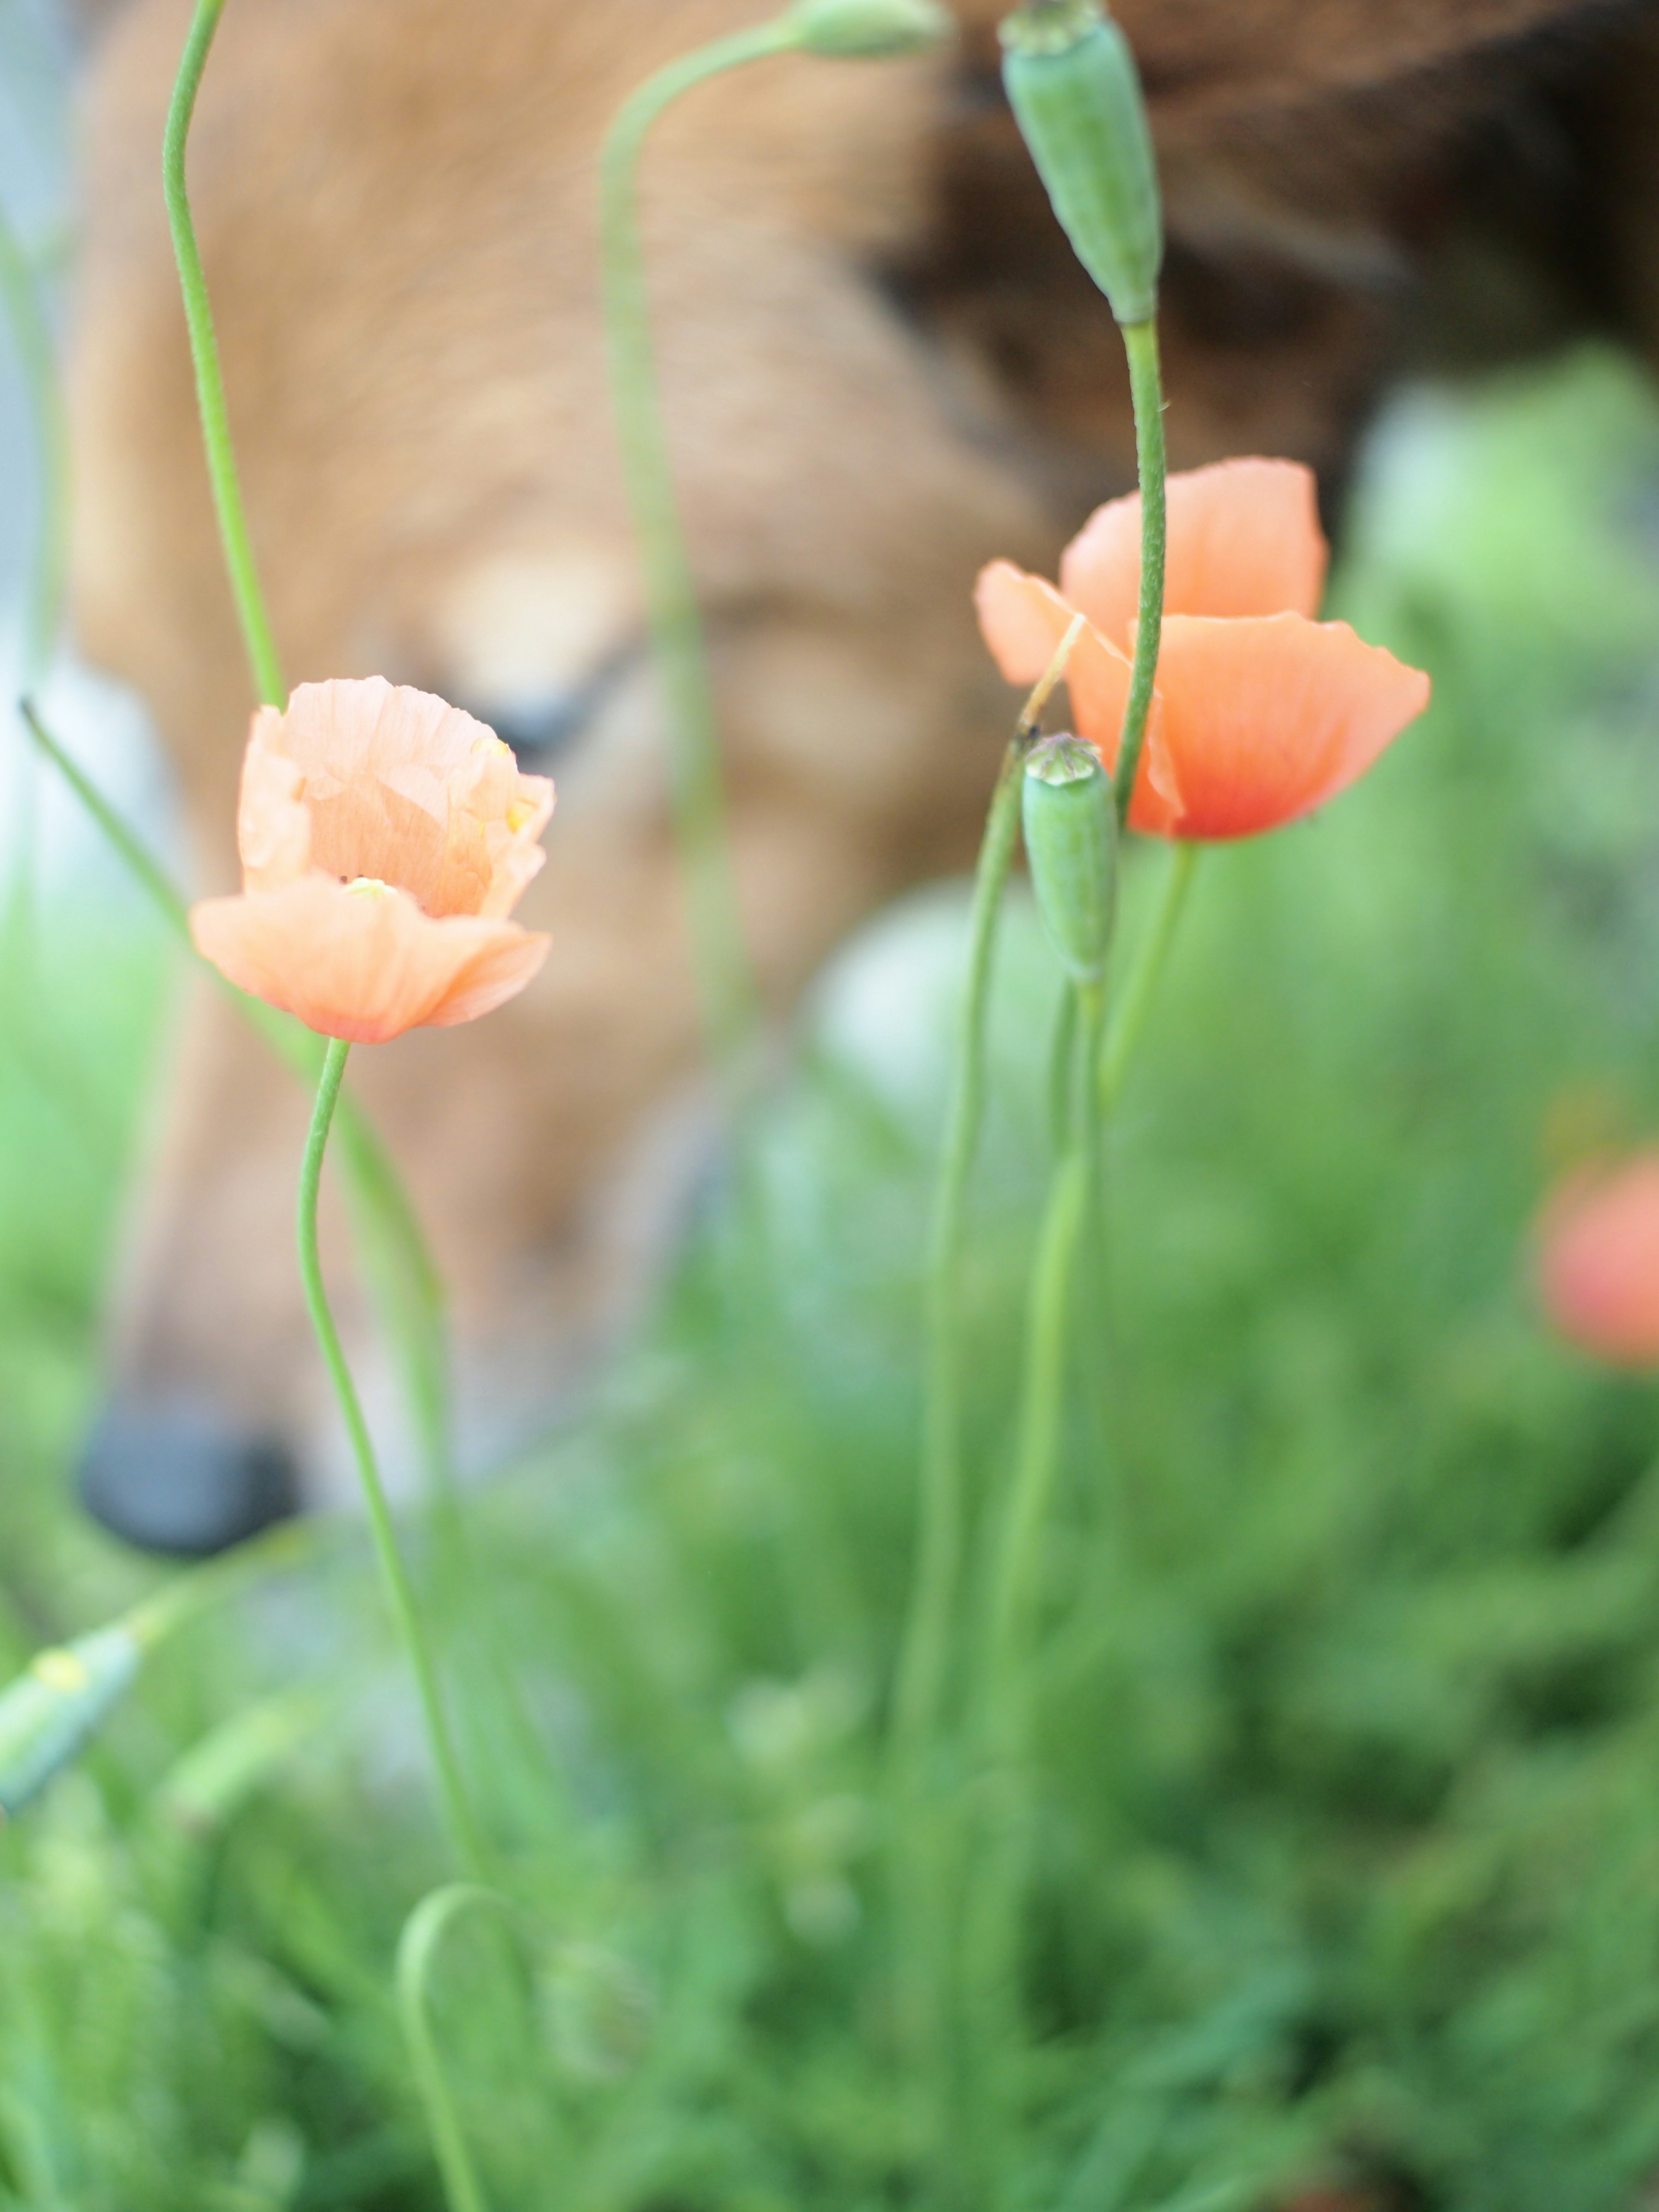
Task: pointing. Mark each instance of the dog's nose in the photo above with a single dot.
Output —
(176, 1477)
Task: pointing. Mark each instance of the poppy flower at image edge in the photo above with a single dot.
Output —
(1597, 1260)
(1261, 713)
(384, 837)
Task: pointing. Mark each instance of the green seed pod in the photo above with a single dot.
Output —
(1075, 91)
(868, 29)
(49, 1712)
(1071, 841)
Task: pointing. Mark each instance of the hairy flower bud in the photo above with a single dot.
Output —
(868, 29)
(1075, 92)
(48, 1713)
(1071, 843)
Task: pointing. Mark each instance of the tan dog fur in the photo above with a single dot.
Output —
(882, 367)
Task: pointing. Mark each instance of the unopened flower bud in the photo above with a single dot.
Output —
(869, 30)
(1071, 843)
(49, 1712)
(1075, 91)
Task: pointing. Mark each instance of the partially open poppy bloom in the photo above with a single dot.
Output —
(1261, 713)
(385, 837)
(1598, 1261)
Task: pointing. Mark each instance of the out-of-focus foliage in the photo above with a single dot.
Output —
(1349, 1710)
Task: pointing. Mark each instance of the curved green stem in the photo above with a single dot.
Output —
(725, 980)
(205, 354)
(417, 1949)
(466, 1834)
(1112, 1064)
(1146, 384)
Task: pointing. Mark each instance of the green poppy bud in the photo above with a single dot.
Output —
(1075, 91)
(868, 29)
(48, 1713)
(1071, 843)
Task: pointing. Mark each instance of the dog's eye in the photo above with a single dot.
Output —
(542, 725)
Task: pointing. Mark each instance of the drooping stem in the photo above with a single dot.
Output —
(1135, 1002)
(205, 354)
(1147, 385)
(725, 979)
(466, 1832)
(417, 1951)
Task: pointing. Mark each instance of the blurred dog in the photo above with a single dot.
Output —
(882, 366)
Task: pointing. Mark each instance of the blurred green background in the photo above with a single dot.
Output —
(1350, 1711)
(1348, 1717)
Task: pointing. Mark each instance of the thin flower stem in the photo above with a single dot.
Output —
(205, 353)
(920, 1677)
(725, 978)
(417, 1952)
(1062, 1069)
(466, 1834)
(1146, 384)
(1112, 1064)
(37, 357)
(921, 1883)
(26, 313)
(997, 1869)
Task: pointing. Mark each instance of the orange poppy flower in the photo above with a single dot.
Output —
(1261, 713)
(385, 837)
(1598, 1261)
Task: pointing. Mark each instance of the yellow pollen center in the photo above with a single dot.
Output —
(369, 887)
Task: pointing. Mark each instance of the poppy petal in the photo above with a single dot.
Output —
(1266, 720)
(1244, 539)
(1598, 1261)
(1024, 620)
(363, 964)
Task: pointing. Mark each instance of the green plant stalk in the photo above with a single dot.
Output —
(204, 356)
(725, 978)
(19, 288)
(997, 1876)
(920, 1681)
(1147, 385)
(417, 1948)
(1062, 1068)
(466, 1832)
(408, 1287)
(1135, 1003)
(31, 336)
(920, 1885)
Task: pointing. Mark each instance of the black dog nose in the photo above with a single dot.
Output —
(174, 1477)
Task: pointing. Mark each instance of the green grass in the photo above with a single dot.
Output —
(1348, 1711)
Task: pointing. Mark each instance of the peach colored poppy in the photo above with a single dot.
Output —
(385, 837)
(1261, 713)
(1598, 1260)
